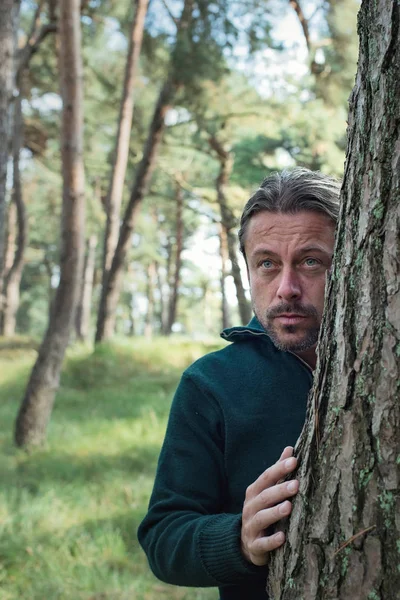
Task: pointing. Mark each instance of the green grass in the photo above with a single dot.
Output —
(69, 512)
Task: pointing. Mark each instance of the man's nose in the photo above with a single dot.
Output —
(289, 285)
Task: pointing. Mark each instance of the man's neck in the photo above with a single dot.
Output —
(309, 356)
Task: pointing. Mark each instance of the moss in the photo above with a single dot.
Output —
(373, 595)
(378, 211)
(291, 585)
(364, 477)
(345, 561)
(386, 502)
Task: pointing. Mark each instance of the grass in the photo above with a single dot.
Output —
(69, 512)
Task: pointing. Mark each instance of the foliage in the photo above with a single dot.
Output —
(240, 79)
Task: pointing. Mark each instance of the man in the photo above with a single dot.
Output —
(216, 498)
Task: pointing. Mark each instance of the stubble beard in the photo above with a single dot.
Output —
(310, 337)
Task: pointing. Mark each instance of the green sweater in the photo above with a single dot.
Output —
(233, 413)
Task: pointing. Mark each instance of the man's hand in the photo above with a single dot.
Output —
(265, 504)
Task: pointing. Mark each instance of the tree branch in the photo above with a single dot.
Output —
(167, 8)
(295, 4)
(35, 38)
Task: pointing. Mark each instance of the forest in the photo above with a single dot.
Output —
(132, 133)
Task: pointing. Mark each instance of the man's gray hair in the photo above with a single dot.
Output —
(291, 192)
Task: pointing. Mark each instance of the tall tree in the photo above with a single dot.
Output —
(224, 254)
(111, 288)
(13, 272)
(343, 538)
(229, 223)
(38, 401)
(121, 151)
(12, 275)
(82, 318)
(178, 248)
(9, 10)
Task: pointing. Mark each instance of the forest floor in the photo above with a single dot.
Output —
(69, 511)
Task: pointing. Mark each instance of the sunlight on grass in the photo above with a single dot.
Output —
(69, 512)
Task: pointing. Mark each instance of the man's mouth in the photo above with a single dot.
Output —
(290, 318)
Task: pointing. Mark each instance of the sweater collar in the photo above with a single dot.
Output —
(252, 329)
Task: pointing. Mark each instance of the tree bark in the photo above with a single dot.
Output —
(229, 223)
(13, 275)
(38, 401)
(223, 248)
(343, 539)
(9, 10)
(82, 320)
(111, 289)
(121, 151)
(174, 290)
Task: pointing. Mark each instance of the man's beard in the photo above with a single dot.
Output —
(310, 336)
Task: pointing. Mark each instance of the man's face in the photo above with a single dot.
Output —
(287, 259)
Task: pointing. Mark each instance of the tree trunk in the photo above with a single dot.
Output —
(37, 404)
(13, 275)
(343, 540)
(173, 299)
(111, 289)
(229, 222)
(9, 10)
(11, 238)
(121, 151)
(223, 248)
(148, 325)
(82, 320)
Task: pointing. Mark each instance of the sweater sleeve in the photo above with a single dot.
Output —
(188, 538)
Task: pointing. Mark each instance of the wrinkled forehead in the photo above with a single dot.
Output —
(290, 230)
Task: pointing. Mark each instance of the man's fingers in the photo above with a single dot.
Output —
(267, 517)
(287, 453)
(272, 496)
(271, 476)
(263, 545)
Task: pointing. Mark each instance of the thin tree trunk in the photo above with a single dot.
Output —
(13, 276)
(223, 249)
(148, 325)
(82, 319)
(229, 222)
(111, 289)
(343, 539)
(11, 237)
(173, 299)
(121, 151)
(9, 10)
(38, 401)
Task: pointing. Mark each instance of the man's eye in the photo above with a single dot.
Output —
(311, 262)
(267, 264)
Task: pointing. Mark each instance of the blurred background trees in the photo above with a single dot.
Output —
(188, 105)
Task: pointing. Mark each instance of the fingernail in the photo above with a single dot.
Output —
(290, 463)
(292, 486)
(279, 537)
(284, 508)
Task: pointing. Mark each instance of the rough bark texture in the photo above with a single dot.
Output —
(82, 319)
(44, 380)
(343, 539)
(173, 298)
(9, 10)
(111, 289)
(121, 151)
(229, 223)
(13, 275)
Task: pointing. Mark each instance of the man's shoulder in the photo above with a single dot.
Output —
(246, 346)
